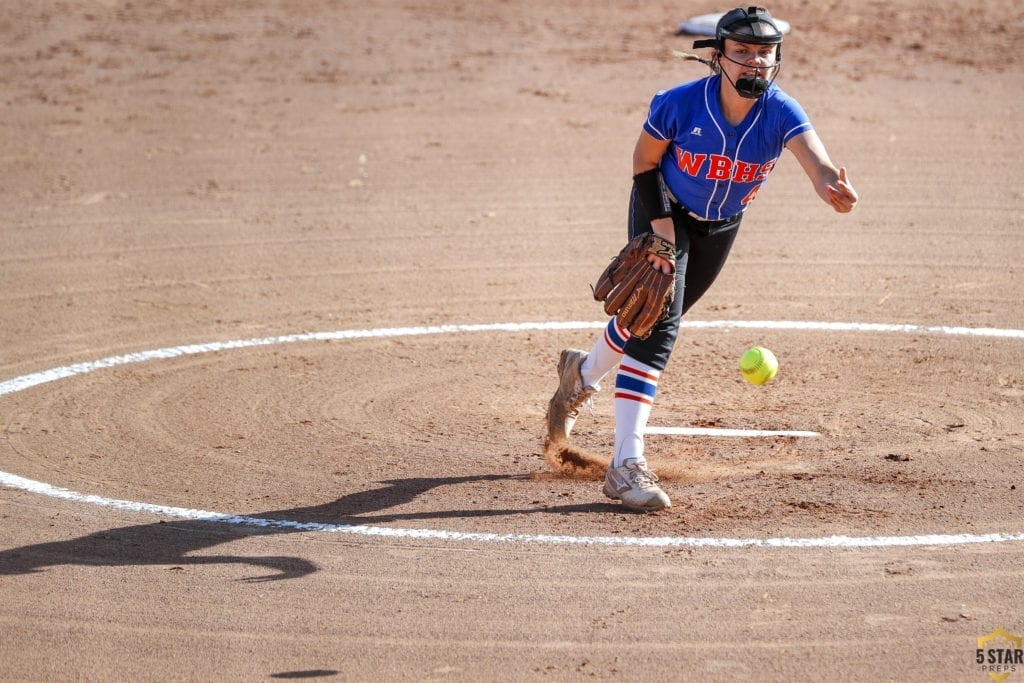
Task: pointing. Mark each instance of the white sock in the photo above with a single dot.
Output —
(635, 386)
(605, 355)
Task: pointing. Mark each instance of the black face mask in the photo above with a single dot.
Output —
(753, 87)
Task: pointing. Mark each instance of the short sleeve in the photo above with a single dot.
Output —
(663, 116)
(794, 120)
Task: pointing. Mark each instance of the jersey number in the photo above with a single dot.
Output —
(750, 195)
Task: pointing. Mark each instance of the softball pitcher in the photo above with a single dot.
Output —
(706, 148)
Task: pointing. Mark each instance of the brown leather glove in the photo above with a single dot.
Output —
(634, 290)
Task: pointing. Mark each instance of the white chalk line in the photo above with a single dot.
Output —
(16, 482)
(736, 433)
(26, 381)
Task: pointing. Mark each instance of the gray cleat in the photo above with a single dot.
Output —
(636, 486)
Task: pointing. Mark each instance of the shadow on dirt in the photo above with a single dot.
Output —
(174, 542)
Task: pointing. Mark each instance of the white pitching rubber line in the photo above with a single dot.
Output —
(734, 433)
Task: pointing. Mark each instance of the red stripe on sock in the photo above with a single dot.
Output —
(611, 344)
(634, 397)
(639, 373)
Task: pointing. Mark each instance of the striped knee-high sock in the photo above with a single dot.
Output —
(635, 386)
(605, 355)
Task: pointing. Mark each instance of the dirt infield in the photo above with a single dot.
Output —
(187, 173)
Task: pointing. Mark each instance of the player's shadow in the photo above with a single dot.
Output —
(176, 542)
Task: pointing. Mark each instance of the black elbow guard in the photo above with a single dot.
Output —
(652, 193)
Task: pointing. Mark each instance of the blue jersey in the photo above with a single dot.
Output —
(715, 169)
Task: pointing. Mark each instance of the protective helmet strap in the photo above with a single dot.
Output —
(755, 22)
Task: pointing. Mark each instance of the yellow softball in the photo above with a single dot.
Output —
(759, 365)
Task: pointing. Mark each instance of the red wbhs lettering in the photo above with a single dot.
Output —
(721, 167)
